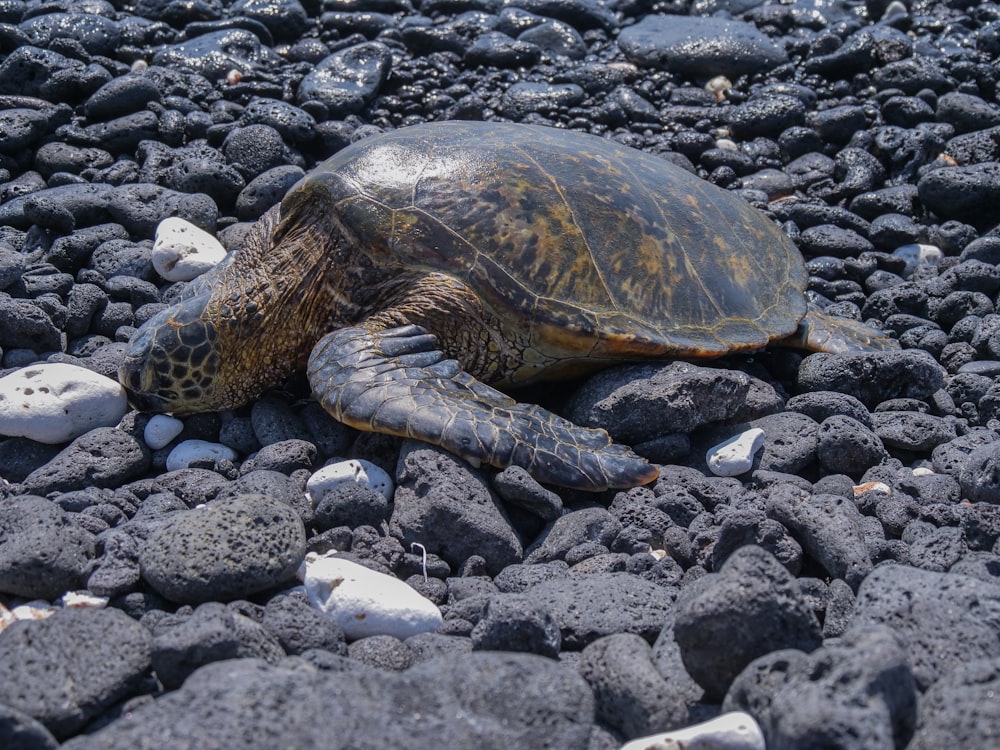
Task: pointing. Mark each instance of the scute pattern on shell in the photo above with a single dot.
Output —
(606, 249)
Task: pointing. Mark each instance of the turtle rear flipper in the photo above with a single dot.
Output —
(396, 381)
(819, 332)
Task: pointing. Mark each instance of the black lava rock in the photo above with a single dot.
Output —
(232, 548)
(43, 551)
(68, 668)
(727, 619)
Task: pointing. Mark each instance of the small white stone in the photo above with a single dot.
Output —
(735, 456)
(35, 610)
(860, 489)
(160, 430)
(57, 402)
(364, 602)
(182, 251)
(82, 600)
(732, 731)
(186, 453)
(923, 471)
(719, 85)
(356, 470)
(915, 254)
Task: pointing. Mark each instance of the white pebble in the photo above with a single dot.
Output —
(860, 489)
(57, 402)
(182, 251)
(732, 731)
(364, 602)
(915, 254)
(923, 471)
(82, 600)
(357, 471)
(190, 451)
(735, 456)
(34, 610)
(160, 430)
(719, 85)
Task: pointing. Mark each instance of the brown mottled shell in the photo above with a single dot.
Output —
(599, 249)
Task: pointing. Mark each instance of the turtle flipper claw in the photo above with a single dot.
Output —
(397, 382)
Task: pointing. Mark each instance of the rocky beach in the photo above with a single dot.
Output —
(817, 564)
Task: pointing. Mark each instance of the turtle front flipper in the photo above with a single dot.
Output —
(398, 382)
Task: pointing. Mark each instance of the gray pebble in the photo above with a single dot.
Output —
(960, 708)
(939, 550)
(383, 652)
(572, 529)
(266, 190)
(821, 404)
(790, 442)
(27, 326)
(857, 691)
(727, 619)
(121, 96)
(347, 80)
(117, 571)
(295, 125)
(496, 49)
(102, 457)
(273, 421)
(43, 551)
(912, 431)
(284, 457)
(140, 208)
(228, 549)
(212, 632)
(256, 148)
(740, 527)
(946, 619)
(18, 731)
(950, 458)
(49, 75)
(514, 622)
(592, 606)
(684, 396)
(829, 529)
(520, 577)
(517, 487)
(68, 668)
(965, 193)
(442, 504)
(846, 446)
(351, 504)
(285, 19)
(978, 475)
(699, 46)
(214, 54)
(503, 700)
(298, 626)
(632, 697)
(526, 97)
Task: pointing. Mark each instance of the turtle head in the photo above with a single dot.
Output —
(242, 328)
(173, 363)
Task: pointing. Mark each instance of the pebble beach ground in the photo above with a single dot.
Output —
(841, 587)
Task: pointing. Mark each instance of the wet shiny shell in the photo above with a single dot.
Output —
(598, 248)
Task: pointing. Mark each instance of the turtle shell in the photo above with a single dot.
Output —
(593, 247)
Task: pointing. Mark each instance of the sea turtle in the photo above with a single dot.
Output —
(415, 267)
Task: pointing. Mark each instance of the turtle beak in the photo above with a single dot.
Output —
(148, 401)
